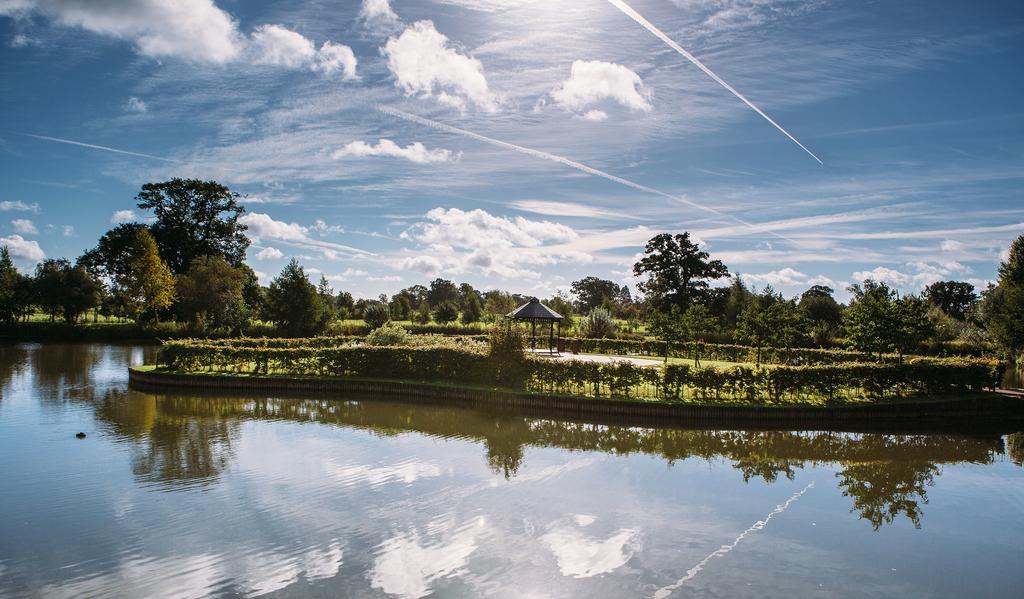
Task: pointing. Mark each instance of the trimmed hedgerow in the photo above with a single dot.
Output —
(473, 363)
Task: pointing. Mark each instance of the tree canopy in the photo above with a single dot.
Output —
(677, 270)
(955, 298)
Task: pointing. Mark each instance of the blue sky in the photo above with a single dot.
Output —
(913, 107)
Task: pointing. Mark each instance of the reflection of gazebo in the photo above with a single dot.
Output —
(533, 312)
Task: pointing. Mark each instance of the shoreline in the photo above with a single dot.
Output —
(931, 413)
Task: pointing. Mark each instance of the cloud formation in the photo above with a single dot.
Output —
(593, 82)
(279, 46)
(425, 65)
(24, 226)
(21, 248)
(19, 206)
(414, 152)
(264, 227)
(123, 216)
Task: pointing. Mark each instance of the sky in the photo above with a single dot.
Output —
(525, 144)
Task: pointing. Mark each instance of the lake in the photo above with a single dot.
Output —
(188, 495)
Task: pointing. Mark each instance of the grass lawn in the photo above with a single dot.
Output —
(687, 361)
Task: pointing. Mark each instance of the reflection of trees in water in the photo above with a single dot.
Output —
(169, 447)
(884, 489)
(189, 439)
(13, 360)
(1015, 448)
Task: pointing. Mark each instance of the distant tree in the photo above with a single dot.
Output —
(955, 298)
(400, 307)
(326, 293)
(770, 320)
(195, 218)
(446, 312)
(376, 315)
(599, 324)
(294, 305)
(592, 292)
(878, 320)
(677, 270)
(415, 294)
(442, 290)
(699, 323)
(65, 290)
(667, 326)
(422, 314)
(823, 313)
(465, 290)
(1005, 302)
(346, 304)
(15, 291)
(498, 303)
(560, 303)
(149, 284)
(472, 308)
(211, 295)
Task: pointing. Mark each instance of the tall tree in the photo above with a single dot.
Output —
(472, 308)
(878, 320)
(1005, 310)
(113, 251)
(442, 290)
(823, 313)
(293, 303)
(592, 292)
(677, 270)
(211, 295)
(65, 290)
(770, 320)
(195, 218)
(15, 291)
(149, 284)
(955, 298)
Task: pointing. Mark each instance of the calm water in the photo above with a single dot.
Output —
(189, 496)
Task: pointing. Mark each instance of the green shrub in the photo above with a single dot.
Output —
(376, 314)
(390, 334)
(599, 324)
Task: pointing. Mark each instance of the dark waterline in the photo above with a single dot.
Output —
(178, 495)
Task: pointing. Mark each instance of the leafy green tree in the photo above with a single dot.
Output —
(149, 284)
(592, 292)
(346, 304)
(442, 290)
(211, 295)
(65, 290)
(498, 303)
(1005, 309)
(699, 323)
(677, 270)
(422, 314)
(113, 252)
(399, 307)
(823, 313)
(472, 308)
(770, 320)
(668, 327)
(446, 312)
(955, 298)
(913, 326)
(376, 315)
(294, 305)
(599, 324)
(15, 291)
(878, 320)
(195, 218)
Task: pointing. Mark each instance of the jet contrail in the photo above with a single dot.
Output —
(95, 147)
(629, 12)
(562, 160)
(724, 549)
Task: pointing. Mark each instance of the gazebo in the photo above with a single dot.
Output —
(533, 312)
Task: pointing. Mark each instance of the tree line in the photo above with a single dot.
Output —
(188, 265)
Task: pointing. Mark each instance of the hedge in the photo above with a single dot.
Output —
(471, 364)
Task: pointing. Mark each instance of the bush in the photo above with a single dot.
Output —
(390, 334)
(376, 314)
(598, 324)
(446, 312)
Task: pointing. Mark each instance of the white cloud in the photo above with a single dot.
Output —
(457, 241)
(378, 15)
(23, 248)
(783, 276)
(269, 253)
(581, 556)
(951, 245)
(277, 45)
(263, 226)
(593, 81)
(136, 105)
(190, 29)
(323, 228)
(923, 274)
(123, 216)
(415, 152)
(68, 231)
(19, 206)
(423, 64)
(24, 226)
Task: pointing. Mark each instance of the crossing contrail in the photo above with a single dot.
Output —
(563, 160)
(724, 549)
(629, 12)
(95, 147)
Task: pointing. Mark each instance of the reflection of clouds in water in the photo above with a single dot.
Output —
(203, 575)
(555, 470)
(193, 576)
(408, 471)
(582, 556)
(407, 566)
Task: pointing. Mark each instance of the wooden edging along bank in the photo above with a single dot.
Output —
(917, 412)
